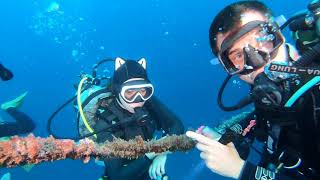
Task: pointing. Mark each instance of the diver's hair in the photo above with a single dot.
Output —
(229, 18)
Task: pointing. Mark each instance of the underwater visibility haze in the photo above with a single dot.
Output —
(48, 43)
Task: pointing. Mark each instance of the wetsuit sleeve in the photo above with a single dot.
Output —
(165, 118)
(253, 172)
(105, 135)
(23, 124)
(117, 169)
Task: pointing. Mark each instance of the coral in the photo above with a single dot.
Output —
(19, 151)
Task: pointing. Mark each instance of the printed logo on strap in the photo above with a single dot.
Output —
(264, 174)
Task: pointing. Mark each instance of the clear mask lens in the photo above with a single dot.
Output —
(144, 92)
(138, 92)
(263, 38)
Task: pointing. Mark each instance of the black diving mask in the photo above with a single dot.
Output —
(250, 48)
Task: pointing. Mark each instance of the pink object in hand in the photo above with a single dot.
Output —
(247, 129)
(200, 129)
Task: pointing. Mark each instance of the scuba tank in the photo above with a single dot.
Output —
(89, 90)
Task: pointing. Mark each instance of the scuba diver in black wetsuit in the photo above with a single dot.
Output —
(128, 105)
(24, 123)
(286, 117)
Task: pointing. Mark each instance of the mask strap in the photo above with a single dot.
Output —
(237, 35)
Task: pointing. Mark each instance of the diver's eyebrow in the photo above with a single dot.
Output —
(233, 51)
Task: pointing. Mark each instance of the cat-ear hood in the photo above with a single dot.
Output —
(128, 69)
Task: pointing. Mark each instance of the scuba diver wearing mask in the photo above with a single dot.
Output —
(247, 42)
(122, 106)
(23, 123)
(138, 113)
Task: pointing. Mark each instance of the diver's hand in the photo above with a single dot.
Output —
(151, 155)
(219, 158)
(157, 168)
(209, 132)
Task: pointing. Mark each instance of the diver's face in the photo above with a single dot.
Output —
(236, 53)
(129, 94)
(136, 105)
(130, 106)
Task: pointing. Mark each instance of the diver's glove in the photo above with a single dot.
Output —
(151, 155)
(6, 176)
(157, 168)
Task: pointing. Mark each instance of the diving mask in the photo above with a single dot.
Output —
(250, 48)
(136, 91)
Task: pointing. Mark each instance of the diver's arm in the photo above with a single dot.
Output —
(115, 167)
(117, 170)
(167, 120)
(254, 172)
(23, 124)
(236, 129)
(105, 135)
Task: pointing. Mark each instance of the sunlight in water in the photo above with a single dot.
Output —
(54, 6)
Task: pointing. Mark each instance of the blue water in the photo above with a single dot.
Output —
(47, 43)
